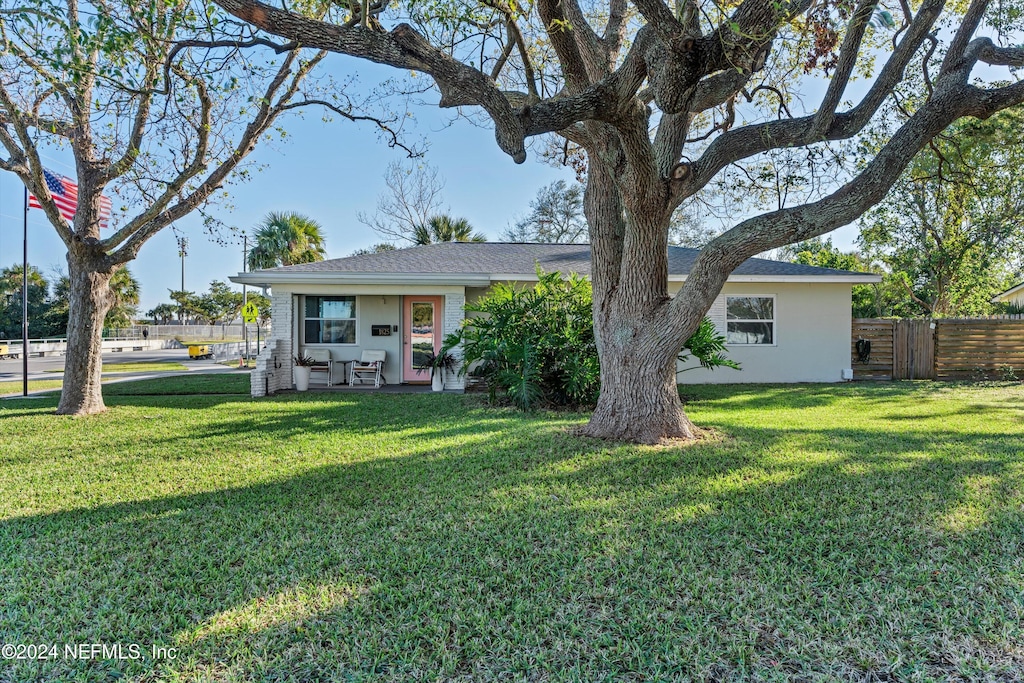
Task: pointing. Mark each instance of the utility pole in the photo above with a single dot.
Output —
(182, 252)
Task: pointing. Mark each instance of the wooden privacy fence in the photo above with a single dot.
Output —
(979, 349)
(876, 361)
(949, 348)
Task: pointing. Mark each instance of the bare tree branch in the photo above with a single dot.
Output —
(393, 139)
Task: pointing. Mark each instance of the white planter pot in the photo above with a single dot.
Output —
(437, 382)
(300, 375)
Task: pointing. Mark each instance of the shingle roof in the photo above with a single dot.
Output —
(491, 258)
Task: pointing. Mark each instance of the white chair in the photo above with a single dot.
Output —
(369, 368)
(322, 363)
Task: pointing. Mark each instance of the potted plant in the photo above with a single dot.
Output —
(300, 371)
(439, 362)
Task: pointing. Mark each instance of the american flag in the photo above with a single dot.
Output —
(65, 196)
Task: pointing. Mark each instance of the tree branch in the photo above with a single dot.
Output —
(984, 50)
(155, 218)
(844, 68)
(957, 47)
(747, 141)
(393, 140)
(560, 29)
(404, 48)
(24, 160)
(658, 15)
(614, 31)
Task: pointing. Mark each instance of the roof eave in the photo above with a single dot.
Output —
(269, 278)
(1005, 296)
(851, 278)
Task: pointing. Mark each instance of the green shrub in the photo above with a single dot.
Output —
(535, 346)
(707, 345)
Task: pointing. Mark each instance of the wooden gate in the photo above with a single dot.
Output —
(914, 349)
(900, 349)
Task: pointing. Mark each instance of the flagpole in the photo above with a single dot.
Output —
(24, 300)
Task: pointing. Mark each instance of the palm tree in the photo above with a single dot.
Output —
(284, 239)
(10, 302)
(124, 302)
(124, 299)
(444, 228)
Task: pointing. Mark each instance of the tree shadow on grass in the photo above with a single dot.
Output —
(497, 545)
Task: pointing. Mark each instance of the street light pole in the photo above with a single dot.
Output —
(245, 293)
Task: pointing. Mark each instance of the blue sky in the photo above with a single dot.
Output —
(329, 171)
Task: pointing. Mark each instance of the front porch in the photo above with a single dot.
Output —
(337, 324)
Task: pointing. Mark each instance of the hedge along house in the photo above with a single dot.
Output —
(784, 322)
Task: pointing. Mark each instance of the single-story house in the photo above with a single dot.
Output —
(1014, 295)
(784, 322)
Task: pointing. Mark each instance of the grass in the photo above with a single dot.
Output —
(228, 340)
(168, 366)
(848, 532)
(180, 385)
(249, 363)
(17, 386)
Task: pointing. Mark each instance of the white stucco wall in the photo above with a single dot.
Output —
(812, 336)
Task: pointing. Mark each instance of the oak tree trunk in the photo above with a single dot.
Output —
(89, 295)
(639, 401)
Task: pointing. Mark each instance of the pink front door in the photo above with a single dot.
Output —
(421, 336)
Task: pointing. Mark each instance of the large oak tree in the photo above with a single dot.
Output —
(650, 92)
(158, 103)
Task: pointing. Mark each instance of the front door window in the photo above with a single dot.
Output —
(422, 334)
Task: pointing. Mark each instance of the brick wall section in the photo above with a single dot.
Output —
(267, 377)
(454, 312)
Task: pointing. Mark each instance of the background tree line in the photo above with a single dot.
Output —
(219, 304)
(49, 301)
(48, 304)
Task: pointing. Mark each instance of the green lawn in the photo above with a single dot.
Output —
(160, 366)
(17, 386)
(198, 384)
(856, 532)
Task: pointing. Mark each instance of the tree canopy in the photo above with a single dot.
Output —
(950, 233)
(556, 215)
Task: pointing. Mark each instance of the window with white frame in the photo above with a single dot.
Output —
(330, 320)
(750, 320)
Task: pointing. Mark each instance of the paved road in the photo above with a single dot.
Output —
(42, 368)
